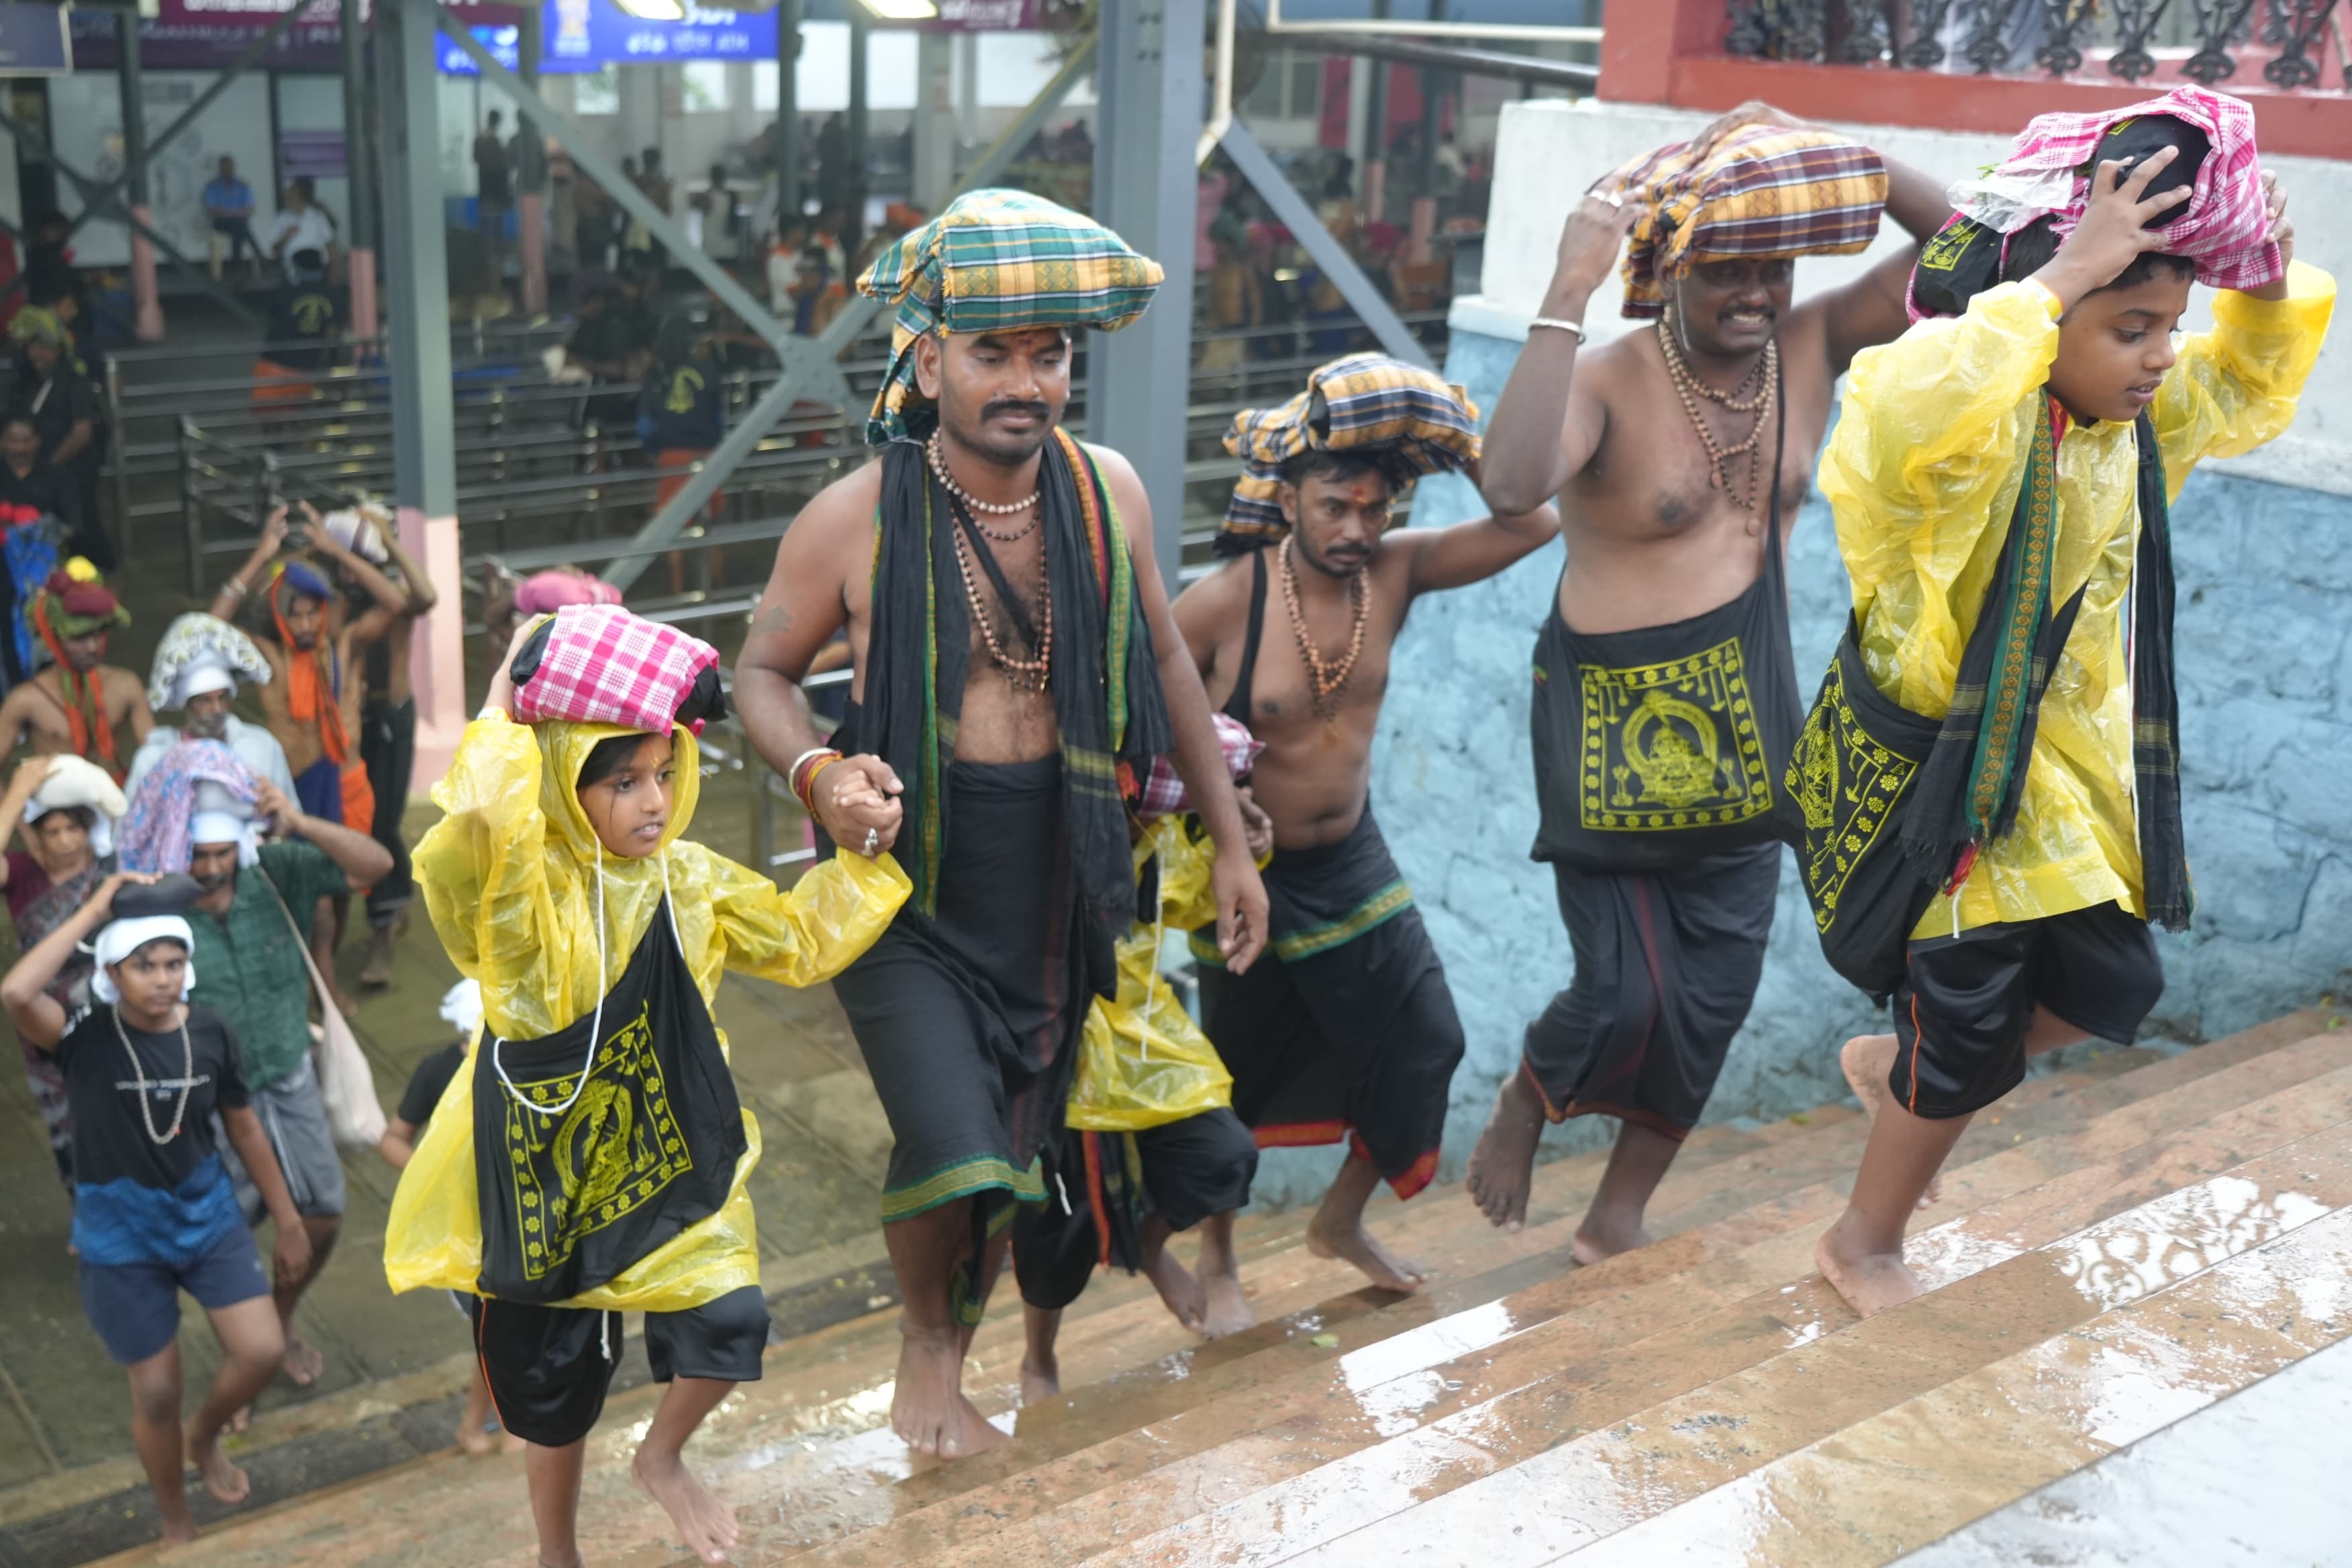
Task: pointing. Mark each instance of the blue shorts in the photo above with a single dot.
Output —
(135, 1307)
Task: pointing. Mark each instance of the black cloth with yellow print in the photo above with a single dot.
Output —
(577, 1187)
(1656, 746)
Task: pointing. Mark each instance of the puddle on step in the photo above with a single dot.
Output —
(1431, 1344)
(2169, 1238)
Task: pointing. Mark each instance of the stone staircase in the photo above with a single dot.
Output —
(2119, 1246)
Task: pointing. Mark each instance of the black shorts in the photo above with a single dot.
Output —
(1965, 1001)
(1189, 1170)
(549, 1368)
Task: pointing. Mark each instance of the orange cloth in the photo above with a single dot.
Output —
(275, 385)
(677, 464)
(85, 703)
(310, 698)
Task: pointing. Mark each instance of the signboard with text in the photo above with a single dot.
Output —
(586, 36)
(33, 40)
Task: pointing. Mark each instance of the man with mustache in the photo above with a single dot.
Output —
(1345, 1031)
(1665, 701)
(1016, 672)
(78, 703)
(199, 664)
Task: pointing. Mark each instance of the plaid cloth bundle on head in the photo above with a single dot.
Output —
(598, 664)
(2223, 227)
(1163, 790)
(194, 774)
(997, 260)
(1425, 425)
(1761, 191)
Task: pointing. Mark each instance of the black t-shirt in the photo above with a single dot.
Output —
(428, 1083)
(303, 313)
(111, 1141)
(678, 406)
(57, 404)
(44, 490)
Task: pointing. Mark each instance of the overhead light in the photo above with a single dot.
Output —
(903, 10)
(654, 10)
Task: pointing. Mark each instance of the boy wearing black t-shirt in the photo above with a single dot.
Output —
(154, 1210)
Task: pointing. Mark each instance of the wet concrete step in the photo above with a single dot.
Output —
(1720, 1280)
(2032, 1310)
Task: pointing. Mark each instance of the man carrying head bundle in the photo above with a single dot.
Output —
(1989, 781)
(1346, 1032)
(1666, 697)
(1016, 672)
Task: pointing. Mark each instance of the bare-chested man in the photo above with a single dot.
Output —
(1345, 1031)
(1665, 700)
(78, 702)
(1015, 670)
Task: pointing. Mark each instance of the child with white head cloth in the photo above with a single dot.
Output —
(150, 1076)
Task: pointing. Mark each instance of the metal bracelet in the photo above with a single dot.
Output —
(1573, 329)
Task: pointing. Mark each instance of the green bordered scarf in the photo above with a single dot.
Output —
(1968, 790)
(1104, 681)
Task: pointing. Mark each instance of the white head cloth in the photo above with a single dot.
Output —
(357, 532)
(74, 782)
(120, 940)
(201, 653)
(226, 827)
(462, 1007)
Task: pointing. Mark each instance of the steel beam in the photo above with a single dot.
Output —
(146, 303)
(786, 152)
(1138, 380)
(359, 172)
(1292, 211)
(860, 129)
(1533, 70)
(811, 365)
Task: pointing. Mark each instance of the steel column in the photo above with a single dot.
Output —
(147, 303)
(861, 130)
(359, 170)
(1294, 212)
(424, 416)
(1138, 380)
(1372, 190)
(531, 173)
(786, 149)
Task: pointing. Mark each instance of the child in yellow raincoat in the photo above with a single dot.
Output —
(593, 1156)
(2001, 717)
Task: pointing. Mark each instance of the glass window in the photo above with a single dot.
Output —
(704, 85)
(597, 94)
(764, 86)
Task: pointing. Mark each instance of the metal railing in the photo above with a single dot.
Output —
(2206, 41)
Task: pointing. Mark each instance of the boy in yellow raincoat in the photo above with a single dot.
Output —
(593, 1156)
(2001, 482)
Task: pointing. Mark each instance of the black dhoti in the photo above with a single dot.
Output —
(1103, 1187)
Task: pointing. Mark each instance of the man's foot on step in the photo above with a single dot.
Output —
(1180, 1290)
(926, 1404)
(1870, 1282)
(376, 974)
(303, 1363)
(1866, 1060)
(707, 1524)
(223, 1479)
(477, 1438)
(1041, 1380)
(1354, 1244)
(1227, 1308)
(1596, 1239)
(1502, 1165)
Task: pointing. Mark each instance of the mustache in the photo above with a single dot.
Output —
(1003, 406)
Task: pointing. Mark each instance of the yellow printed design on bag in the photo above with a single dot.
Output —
(1671, 746)
(1847, 785)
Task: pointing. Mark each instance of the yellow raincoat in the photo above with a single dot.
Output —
(1142, 1062)
(1923, 475)
(509, 876)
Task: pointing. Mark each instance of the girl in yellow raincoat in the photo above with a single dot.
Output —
(593, 1156)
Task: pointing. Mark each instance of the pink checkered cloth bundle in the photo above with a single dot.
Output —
(1163, 792)
(2222, 226)
(605, 666)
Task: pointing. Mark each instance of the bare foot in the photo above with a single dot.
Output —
(179, 1531)
(979, 1434)
(708, 1524)
(1228, 1310)
(1870, 1281)
(926, 1406)
(376, 974)
(1597, 1239)
(1180, 1290)
(1502, 1164)
(475, 1438)
(1866, 1060)
(1357, 1246)
(1041, 1379)
(222, 1479)
(242, 1419)
(344, 1004)
(303, 1363)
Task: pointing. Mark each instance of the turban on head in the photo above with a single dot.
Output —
(544, 593)
(76, 783)
(120, 939)
(196, 779)
(997, 261)
(1364, 402)
(76, 601)
(201, 653)
(1759, 190)
(38, 324)
(2222, 227)
(305, 579)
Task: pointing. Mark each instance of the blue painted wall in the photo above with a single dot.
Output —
(2265, 640)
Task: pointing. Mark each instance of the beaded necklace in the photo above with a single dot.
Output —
(1328, 681)
(938, 459)
(1021, 674)
(1739, 400)
(139, 1078)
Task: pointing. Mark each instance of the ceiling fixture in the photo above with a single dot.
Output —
(903, 10)
(654, 10)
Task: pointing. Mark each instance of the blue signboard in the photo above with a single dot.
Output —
(586, 36)
(34, 40)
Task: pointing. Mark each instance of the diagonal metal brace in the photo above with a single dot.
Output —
(1291, 210)
(810, 365)
(187, 117)
(587, 155)
(89, 186)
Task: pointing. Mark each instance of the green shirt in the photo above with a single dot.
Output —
(248, 965)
